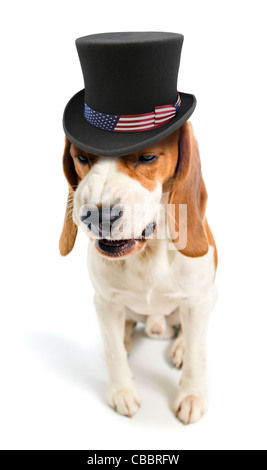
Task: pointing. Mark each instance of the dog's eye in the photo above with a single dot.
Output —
(83, 160)
(147, 158)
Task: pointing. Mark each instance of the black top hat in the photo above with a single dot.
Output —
(130, 100)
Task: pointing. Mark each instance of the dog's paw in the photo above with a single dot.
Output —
(177, 351)
(190, 408)
(157, 328)
(125, 401)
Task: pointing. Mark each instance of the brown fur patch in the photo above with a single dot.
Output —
(74, 172)
(211, 242)
(69, 231)
(82, 169)
(189, 188)
(150, 174)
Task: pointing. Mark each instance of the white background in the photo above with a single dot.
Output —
(52, 368)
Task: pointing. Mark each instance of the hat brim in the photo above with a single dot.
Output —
(105, 143)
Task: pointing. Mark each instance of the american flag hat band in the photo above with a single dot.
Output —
(135, 122)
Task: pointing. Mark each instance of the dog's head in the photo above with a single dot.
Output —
(117, 200)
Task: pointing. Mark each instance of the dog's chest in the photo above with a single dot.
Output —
(149, 285)
(147, 289)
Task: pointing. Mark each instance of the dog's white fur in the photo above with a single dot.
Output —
(105, 185)
(160, 287)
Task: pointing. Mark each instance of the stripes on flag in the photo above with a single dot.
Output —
(135, 122)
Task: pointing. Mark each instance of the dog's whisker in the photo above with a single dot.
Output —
(68, 214)
(168, 214)
(147, 253)
(70, 201)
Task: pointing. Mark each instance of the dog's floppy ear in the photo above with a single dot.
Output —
(69, 231)
(188, 188)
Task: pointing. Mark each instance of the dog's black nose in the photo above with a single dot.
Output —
(100, 220)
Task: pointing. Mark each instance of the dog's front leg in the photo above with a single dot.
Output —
(121, 392)
(191, 401)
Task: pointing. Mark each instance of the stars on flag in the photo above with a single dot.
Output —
(106, 122)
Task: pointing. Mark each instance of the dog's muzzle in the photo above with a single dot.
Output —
(102, 221)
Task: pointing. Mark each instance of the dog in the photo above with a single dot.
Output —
(138, 276)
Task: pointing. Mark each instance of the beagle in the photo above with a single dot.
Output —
(147, 263)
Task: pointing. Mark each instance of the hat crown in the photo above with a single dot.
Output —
(130, 72)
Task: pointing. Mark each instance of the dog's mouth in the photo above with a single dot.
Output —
(115, 248)
(124, 247)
